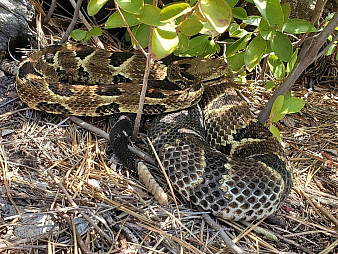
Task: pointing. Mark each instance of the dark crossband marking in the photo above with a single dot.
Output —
(254, 130)
(49, 57)
(27, 68)
(119, 58)
(83, 75)
(61, 90)
(154, 108)
(50, 53)
(110, 108)
(155, 94)
(52, 107)
(82, 54)
(108, 91)
(62, 74)
(121, 79)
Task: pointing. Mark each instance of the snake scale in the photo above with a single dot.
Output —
(216, 154)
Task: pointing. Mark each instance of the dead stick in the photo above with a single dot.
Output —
(142, 96)
(129, 31)
(222, 233)
(325, 212)
(291, 242)
(78, 236)
(72, 24)
(105, 135)
(144, 87)
(50, 12)
(4, 166)
(84, 215)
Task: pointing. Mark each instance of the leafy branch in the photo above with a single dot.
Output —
(308, 55)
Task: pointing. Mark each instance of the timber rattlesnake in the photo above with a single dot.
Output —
(235, 168)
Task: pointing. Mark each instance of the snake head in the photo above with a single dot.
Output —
(193, 70)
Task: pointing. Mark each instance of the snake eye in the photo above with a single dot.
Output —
(184, 66)
(187, 75)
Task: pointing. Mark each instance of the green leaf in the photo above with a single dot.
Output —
(298, 26)
(253, 20)
(241, 78)
(197, 46)
(208, 29)
(236, 31)
(239, 13)
(330, 16)
(141, 34)
(150, 15)
(87, 37)
(168, 31)
(292, 105)
(190, 26)
(183, 43)
(163, 42)
(236, 61)
(269, 85)
(271, 12)
(238, 45)
(277, 67)
(94, 6)
(231, 3)
(275, 132)
(211, 47)
(127, 35)
(277, 117)
(115, 20)
(173, 11)
(131, 6)
(95, 31)
(78, 34)
(282, 46)
(292, 62)
(254, 52)
(266, 31)
(330, 50)
(287, 95)
(286, 8)
(278, 104)
(268, 35)
(218, 13)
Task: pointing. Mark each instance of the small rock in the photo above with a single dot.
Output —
(6, 132)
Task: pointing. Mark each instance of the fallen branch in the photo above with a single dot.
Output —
(50, 12)
(233, 247)
(105, 135)
(74, 205)
(72, 24)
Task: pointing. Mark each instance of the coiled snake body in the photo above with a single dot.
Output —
(228, 163)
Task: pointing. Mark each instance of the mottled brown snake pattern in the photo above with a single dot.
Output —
(216, 154)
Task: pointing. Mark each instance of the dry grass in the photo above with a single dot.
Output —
(61, 193)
